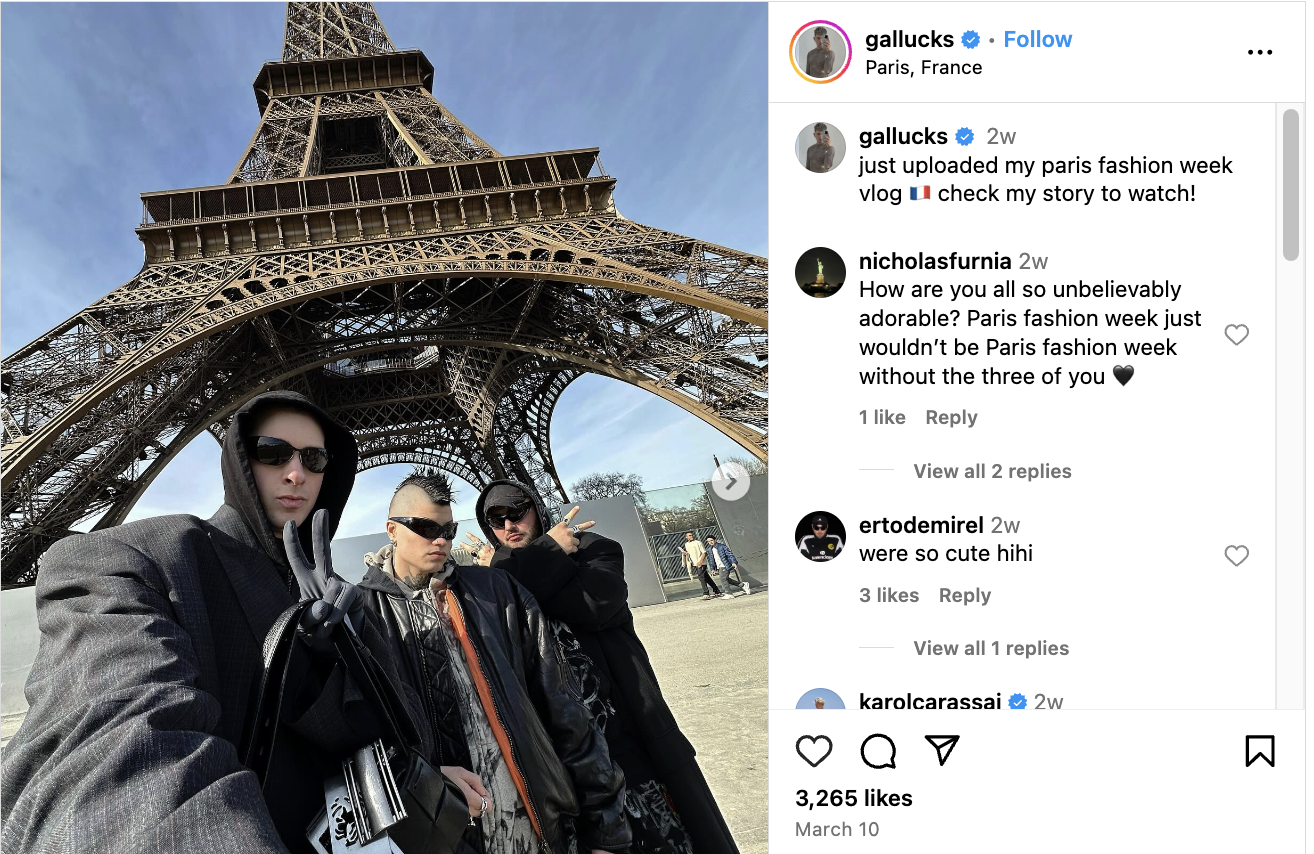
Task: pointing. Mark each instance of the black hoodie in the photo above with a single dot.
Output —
(239, 484)
(143, 688)
(587, 592)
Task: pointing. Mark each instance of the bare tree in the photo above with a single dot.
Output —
(752, 465)
(606, 484)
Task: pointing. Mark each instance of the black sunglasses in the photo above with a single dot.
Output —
(426, 527)
(276, 452)
(819, 526)
(513, 514)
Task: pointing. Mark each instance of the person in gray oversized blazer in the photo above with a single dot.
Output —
(150, 656)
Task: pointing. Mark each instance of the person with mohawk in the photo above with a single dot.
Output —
(500, 701)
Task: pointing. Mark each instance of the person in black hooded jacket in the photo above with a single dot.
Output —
(578, 578)
(150, 654)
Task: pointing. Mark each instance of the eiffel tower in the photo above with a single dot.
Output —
(374, 253)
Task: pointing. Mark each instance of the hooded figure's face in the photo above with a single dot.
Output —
(288, 492)
(515, 534)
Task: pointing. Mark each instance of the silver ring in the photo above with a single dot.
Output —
(483, 806)
(574, 529)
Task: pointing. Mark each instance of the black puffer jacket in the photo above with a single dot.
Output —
(558, 749)
(587, 592)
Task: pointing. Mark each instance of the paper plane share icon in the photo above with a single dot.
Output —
(944, 745)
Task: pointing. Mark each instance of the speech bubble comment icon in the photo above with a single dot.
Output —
(878, 751)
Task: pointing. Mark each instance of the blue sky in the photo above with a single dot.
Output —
(102, 102)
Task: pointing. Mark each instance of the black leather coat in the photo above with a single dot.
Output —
(555, 744)
(587, 591)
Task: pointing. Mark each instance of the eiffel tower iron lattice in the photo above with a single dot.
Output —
(373, 252)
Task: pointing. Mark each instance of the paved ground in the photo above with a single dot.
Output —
(9, 726)
(711, 659)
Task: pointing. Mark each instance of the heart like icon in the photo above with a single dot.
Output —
(809, 746)
(1123, 373)
(1236, 554)
(1237, 332)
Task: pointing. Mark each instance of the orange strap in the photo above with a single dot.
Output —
(490, 711)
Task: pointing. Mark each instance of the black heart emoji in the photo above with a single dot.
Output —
(1123, 373)
(813, 739)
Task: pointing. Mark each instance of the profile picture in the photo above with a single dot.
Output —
(820, 51)
(819, 272)
(819, 698)
(820, 536)
(819, 147)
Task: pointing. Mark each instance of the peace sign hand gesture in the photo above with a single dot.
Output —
(567, 534)
(483, 551)
(336, 600)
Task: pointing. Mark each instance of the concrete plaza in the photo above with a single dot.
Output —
(711, 659)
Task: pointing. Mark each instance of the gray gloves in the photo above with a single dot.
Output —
(336, 600)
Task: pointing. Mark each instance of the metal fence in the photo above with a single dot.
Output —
(668, 548)
(666, 515)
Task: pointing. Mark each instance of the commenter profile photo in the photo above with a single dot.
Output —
(820, 147)
(819, 272)
(820, 536)
(820, 698)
